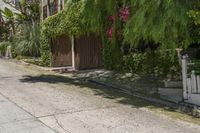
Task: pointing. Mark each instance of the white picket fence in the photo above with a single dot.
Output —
(191, 83)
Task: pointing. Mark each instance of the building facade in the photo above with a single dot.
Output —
(51, 7)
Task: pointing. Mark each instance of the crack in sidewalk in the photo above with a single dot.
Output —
(60, 125)
(77, 111)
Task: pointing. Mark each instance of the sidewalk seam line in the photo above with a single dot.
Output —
(28, 113)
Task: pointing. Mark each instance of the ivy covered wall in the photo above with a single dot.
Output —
(66, 22)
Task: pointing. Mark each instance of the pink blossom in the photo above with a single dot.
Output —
(124, 14)
(110, 33)
(111, 18)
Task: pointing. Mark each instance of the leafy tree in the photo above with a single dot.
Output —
(194, 14)
(9, 22)
(28, 10)
(162, 21)
(25, 25)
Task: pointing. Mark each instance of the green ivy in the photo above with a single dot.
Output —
(194, 16)
(68, 21)
(3, 46)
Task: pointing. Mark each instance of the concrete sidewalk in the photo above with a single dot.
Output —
(13, 119)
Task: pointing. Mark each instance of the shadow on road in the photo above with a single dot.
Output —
(103, 91)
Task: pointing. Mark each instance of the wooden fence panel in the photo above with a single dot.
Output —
(88, 51)
(61, 51)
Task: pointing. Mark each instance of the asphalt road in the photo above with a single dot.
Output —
(34, 102)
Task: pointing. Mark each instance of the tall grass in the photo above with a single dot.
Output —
(26, 41)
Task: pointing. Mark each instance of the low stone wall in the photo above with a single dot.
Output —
(190, 109)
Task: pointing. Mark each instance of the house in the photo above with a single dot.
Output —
(84, 52)
(51, 7)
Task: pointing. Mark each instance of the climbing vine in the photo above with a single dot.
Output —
(68, 22)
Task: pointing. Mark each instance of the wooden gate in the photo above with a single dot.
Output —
(88, 52)
(191, 83)
(61, 51)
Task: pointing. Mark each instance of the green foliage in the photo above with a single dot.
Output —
(45, 50)
(28, 11)
(3, 47)
(112, 55)
(8, 13)
(162, 21)
(67, 21)
(154, 62)
(195, 15)
(195, 18)
(26, 41)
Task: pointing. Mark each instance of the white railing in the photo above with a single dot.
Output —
(195, 83)
(191, 83)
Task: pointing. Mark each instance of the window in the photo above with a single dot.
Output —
(53, 6)
(44, 11)
(61, 4)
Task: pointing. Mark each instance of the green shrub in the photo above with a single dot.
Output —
(3, 46)
(157, 62)
(26, 42)
(194, 15)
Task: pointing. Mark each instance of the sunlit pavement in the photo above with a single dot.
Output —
(34, 103)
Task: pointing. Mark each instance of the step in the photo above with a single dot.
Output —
(171, 91)
(171, 94)
(173, 84)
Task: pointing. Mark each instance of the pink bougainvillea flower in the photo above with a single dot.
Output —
(111, 18)
(110, 33)
(124, 14)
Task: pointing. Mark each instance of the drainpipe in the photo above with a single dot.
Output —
(73, 53)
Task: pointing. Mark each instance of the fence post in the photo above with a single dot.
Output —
(184, 77)
(198, 84)
(73, 52)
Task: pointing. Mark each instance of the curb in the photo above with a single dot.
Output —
(33, 65)
(135, 94)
